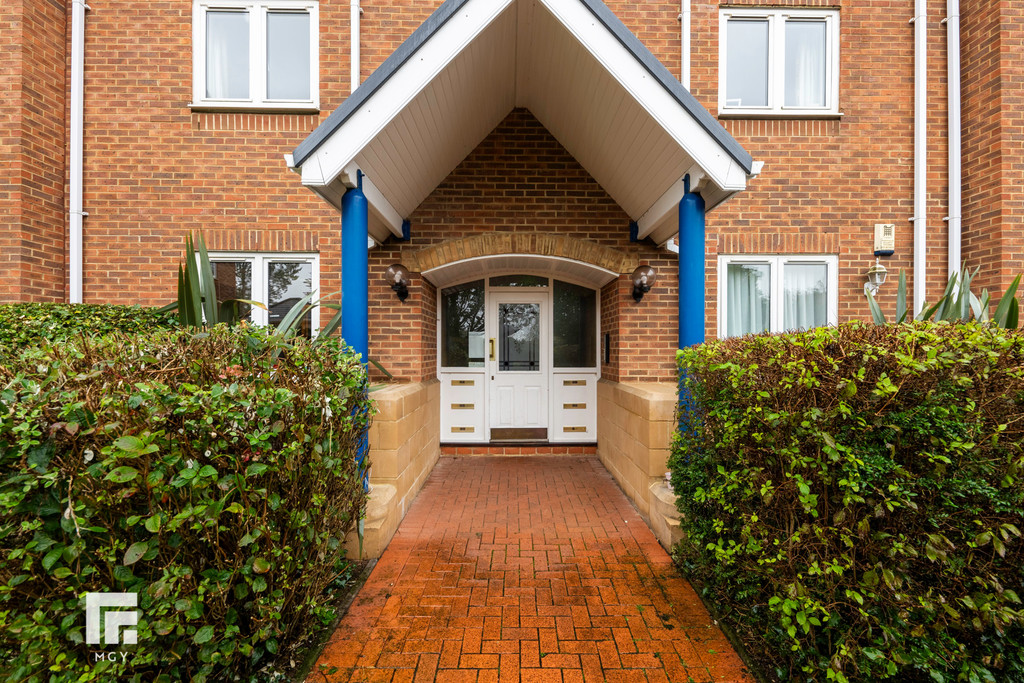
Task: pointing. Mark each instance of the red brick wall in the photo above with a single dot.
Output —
(827, 182)
(154, 169)
(993, 137)
(32, 222)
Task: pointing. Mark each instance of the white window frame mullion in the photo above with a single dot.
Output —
(261, 316)
(258, 52)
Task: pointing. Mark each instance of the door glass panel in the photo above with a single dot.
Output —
(287, 282)
(519, 281)
(227, 55)
(805, 295)
(462, 326)
(288, 56)
(518, 337)
(749, 301)
(575, 335)
(233, 280)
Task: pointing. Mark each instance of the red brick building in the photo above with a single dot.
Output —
(522, 159)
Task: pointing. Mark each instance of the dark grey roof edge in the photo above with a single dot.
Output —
(669, 82)
(448, 8)
(379, 77)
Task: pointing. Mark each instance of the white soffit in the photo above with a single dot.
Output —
(571, 63)
(563, 269)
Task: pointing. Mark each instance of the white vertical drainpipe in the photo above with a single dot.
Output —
(75, 212)
(684, 18)
(920, 151)
(356, 11)
(955, 217)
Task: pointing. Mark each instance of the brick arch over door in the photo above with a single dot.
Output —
(537, 244)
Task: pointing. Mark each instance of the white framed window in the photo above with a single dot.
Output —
(778, 62)
(255, 54)
(276, 280)
(776, 293)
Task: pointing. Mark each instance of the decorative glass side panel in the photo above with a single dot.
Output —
(287, 282)
(805, 295)
(233, 280)
(288, 56)
(575, 326)
(519, 281)
(518, 337)
(746, 66)
(748, 295)
(462, 326)
(227, 55)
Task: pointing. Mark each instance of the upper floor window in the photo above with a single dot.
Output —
(778, 62)
(255, 54)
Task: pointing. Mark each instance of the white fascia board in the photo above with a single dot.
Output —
(659, 104)
(365, 124)
(668, 202)
(665, 204)
(382, 208)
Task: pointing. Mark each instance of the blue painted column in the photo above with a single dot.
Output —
(355, 265)
(355, 293)
(691, 267)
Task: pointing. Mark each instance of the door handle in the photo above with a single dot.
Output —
(492, 348)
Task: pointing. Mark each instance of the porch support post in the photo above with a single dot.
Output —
(691, 267)
(355, 291)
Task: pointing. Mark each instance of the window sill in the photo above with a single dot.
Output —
(254, 108)
(784, 116)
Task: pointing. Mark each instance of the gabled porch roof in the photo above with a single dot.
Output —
(572, 63)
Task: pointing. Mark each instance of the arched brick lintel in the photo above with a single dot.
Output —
(539, 244)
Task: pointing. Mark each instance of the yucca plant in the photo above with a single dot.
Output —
(957, 303)
(197, 303)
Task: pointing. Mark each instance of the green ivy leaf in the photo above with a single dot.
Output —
(129, 444)
(255, 470)
(153, 523)
(260, 566)
(203, 635)
(122, 474)
(51, 557)
(135, 552)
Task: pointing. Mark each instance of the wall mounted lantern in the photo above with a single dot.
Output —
(643, 280)
(397, 276)
(876, 278)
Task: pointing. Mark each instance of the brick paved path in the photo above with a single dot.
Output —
(532, 569)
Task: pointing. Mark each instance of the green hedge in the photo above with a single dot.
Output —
(24, 325)
(853, 499)
(211, 473)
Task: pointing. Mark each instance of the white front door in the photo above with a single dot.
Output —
(518, 364)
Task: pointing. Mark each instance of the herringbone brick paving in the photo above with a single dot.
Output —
(529, 568)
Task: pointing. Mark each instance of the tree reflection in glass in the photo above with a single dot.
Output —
(462, 325)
